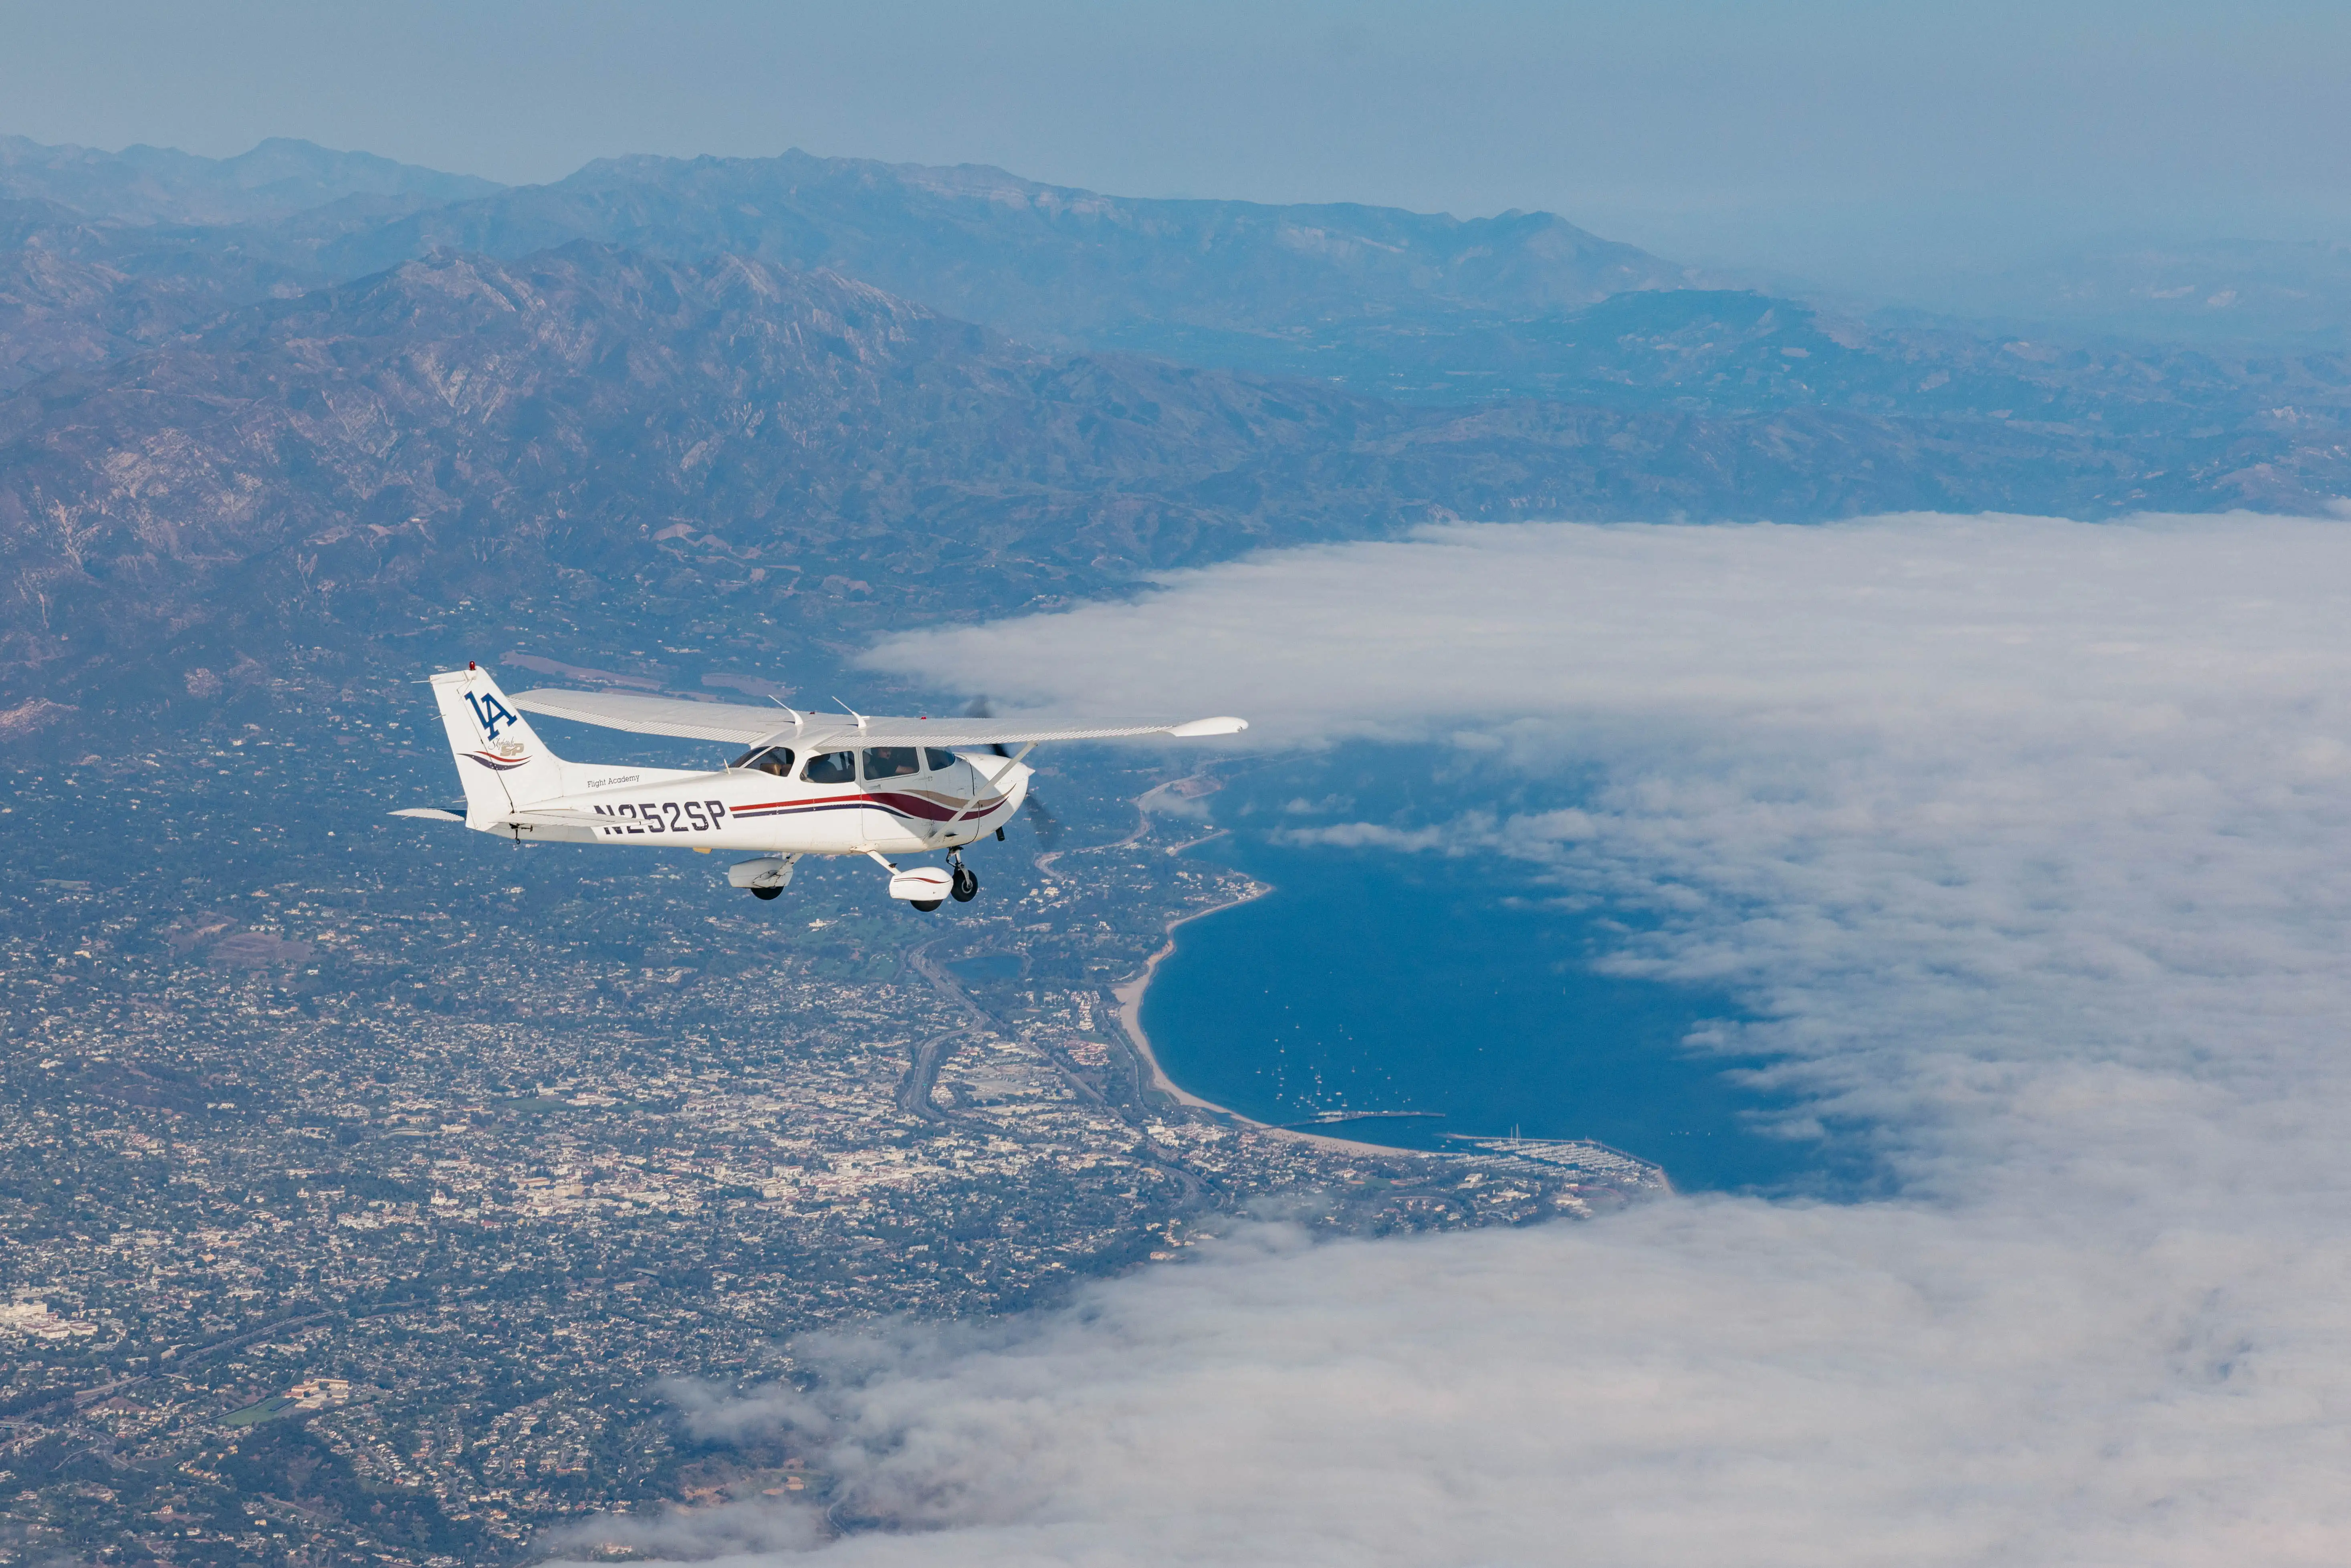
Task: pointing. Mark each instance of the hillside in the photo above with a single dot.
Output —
(220, 453)
(605, 444)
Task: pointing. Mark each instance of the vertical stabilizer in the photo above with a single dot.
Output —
(501, 762)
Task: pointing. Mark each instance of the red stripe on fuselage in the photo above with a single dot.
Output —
(904, 805)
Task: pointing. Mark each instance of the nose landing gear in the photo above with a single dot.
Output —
(966, 881)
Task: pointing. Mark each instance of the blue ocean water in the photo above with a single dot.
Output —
(1373, 980)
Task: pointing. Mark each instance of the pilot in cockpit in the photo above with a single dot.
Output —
(775, 759)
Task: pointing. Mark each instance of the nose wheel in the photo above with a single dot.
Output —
(966, 881)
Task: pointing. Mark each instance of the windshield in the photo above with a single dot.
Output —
(775, 759)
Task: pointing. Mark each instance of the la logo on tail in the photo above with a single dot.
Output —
(489, 712)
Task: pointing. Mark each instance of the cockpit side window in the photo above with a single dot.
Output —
(832, 768)
(939, 761)
(892, 762)
(775, 759)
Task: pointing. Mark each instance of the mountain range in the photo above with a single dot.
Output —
(280, 411)
(278, 178)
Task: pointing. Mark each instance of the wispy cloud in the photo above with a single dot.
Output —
(2027, 845)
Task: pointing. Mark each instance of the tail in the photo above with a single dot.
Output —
(502, 763)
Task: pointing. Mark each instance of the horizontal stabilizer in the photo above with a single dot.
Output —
(553, 817)
(738, 725)
(432, 814)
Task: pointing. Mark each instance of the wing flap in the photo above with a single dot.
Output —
(641, 714)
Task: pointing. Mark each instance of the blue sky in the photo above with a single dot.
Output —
(1814, 135)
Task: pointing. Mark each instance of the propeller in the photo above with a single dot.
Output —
(1047, 826)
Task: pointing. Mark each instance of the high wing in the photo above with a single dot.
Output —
(736, 724)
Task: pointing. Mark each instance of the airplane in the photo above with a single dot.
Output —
(806, 784)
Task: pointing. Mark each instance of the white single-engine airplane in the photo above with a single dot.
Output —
(807, 784)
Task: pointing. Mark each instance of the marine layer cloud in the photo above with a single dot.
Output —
(2022, 844)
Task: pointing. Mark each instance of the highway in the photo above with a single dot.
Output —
(922, 1074)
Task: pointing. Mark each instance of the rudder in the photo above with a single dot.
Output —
(501, 762)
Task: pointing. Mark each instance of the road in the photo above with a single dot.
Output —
(922, 1074)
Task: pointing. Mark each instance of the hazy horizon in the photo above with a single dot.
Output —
(1827, 142)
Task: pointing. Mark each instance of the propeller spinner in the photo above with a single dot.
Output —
(1047, 826)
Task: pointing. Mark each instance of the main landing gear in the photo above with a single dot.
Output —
(963, 889)
(766, 877)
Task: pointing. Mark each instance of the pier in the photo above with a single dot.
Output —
(1333, 1118)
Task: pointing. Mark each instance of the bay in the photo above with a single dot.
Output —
(1378, 981)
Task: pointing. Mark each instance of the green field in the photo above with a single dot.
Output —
(255, 1415)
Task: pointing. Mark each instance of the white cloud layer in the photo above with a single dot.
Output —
(2029, 845)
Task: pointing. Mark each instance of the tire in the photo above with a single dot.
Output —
(925, 905)
(766, 893)
(966, 885)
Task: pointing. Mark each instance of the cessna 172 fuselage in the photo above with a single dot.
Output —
(805, 784)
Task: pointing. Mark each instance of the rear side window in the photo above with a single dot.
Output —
(939, 761)
(832, 767)
(892, 762)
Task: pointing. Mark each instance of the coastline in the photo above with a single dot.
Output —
(1129, 998)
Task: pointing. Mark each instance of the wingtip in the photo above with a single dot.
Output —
(1226, 726)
